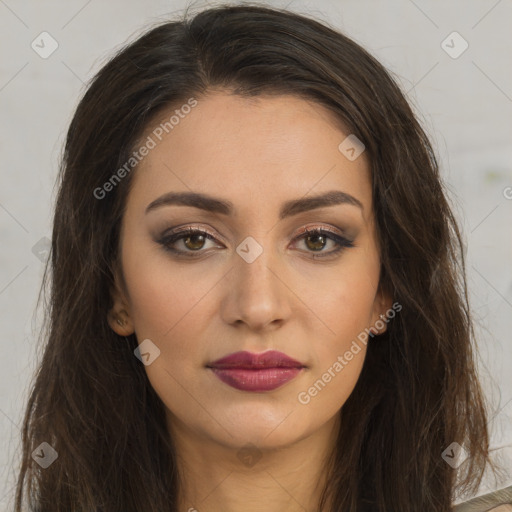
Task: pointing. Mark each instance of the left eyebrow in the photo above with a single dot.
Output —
(224, 207)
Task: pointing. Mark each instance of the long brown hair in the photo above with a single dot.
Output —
(418, 391)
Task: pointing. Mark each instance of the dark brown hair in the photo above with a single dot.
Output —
(418, 391)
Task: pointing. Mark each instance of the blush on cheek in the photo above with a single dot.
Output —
(348, 312)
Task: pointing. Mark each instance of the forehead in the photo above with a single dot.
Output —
(255, 151)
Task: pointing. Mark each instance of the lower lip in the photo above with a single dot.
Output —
(265, 379)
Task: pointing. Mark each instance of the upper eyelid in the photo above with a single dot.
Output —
(303, 230)
(339, 238)
(187, 229)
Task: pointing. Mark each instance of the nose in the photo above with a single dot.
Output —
(256, 293)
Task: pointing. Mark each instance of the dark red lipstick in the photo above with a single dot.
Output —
(248, 371)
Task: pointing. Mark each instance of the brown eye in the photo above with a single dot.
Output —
(195, 241)
(316, 242)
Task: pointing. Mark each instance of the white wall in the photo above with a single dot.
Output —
(465, 104)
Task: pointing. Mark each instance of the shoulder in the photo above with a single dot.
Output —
(497, 501)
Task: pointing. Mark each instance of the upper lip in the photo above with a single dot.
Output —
(250, 360)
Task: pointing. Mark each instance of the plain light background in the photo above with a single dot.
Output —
(463, 101)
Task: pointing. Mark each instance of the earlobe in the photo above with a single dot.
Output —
(120, 321)
(380, 317)
(119, 317)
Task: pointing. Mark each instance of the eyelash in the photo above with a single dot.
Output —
(166, 241)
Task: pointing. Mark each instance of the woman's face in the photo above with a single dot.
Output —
(259, 283)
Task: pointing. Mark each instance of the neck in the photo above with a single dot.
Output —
(217, 477)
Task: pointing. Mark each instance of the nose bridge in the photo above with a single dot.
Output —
(256, 295)
(255, 265)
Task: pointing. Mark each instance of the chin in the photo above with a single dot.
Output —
(265, 431)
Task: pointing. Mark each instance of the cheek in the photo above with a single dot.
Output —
(345, 302)
(346, 308)
(168, 307)
(162, 298)
(339, 357)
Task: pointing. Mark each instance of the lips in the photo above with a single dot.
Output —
(249, 360)
(248, 371)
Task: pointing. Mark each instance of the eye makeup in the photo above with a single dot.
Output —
(192, 241)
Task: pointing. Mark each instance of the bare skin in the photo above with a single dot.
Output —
(239, 449)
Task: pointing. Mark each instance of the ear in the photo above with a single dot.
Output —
(383, 303)
(119, 316)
